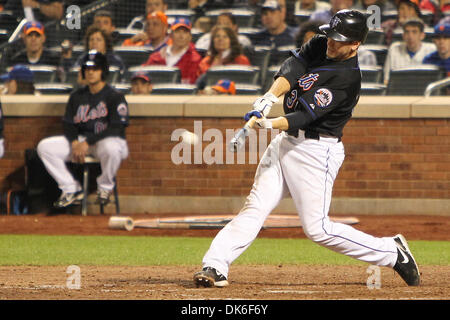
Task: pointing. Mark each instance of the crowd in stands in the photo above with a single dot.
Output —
(414, 33)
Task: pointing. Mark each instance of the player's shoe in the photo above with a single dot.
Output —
(209, 277)
(406, 266)
(103, 197)
(66, 199)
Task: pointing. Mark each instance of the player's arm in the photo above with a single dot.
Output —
(70, 130)
(291, 69)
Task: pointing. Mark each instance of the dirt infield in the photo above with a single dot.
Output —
(168, 283)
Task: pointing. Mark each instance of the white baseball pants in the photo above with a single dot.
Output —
(306, 169)
(56, 151)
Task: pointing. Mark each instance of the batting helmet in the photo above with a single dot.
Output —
(347, 25)
(97, 59)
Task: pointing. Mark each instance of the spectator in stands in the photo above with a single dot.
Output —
(228, 20)
(200, 7)
(225, 49)
(407, 9)
(384, 5)
(325, 16)
(150, 6)
(438, 7)
(411, 51)
(97, 39)
(141, 83)
(43, 11)
(103, 19)
(33, 36)
(155, 36)
(307, 30)
(311, 5)
(222, 87)
(19, 80)
(441, 57)
(180, 52)
(276, 32)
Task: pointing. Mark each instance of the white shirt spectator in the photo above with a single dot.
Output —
(398, 57)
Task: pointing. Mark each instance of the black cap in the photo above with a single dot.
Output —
(346, 25)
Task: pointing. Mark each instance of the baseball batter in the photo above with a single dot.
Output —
(321, 82)
(94, 124)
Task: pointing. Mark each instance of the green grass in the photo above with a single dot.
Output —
(136, 251)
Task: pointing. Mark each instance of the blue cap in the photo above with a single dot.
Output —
(18, 72)
(442, 29)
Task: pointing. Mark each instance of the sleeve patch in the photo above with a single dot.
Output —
(323, 97)
(122, 109)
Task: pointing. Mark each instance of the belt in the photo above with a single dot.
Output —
(312, 135)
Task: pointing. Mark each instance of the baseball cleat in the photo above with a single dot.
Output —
(406, 266)
(103, 197)
(66, 199)
(209, 277)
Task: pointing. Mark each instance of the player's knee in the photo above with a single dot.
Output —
(42, 148)
(315, 233)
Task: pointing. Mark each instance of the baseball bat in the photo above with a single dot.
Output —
(239, 138)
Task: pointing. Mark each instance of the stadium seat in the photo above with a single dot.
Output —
(248, 89)
(53, 88)
(427, 16)
(375, 36)
(241, 74)
(412, 81)
(249, 32)
(158, 74)
(372, 74)
(132, 56)
(123, 88)
(174, 88)
(72, 75)
(269, 77)
(388, 15)
(244, 17)
(124, 33)
(4, 35)
(196, 34)
(279, 54)
(260, 58)
(173, 14)
(379, 50)
(372, 89)
(8, 21)
(302, 15)
(43, 73)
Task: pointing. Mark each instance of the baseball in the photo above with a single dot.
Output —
(189, 137)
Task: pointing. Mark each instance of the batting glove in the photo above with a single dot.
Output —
(264, 123)
(264, 104)
(252, 113)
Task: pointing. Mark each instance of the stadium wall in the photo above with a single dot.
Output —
(397, 154)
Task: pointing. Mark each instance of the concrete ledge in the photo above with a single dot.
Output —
(384, 107)
(232, 205)
(431, 107)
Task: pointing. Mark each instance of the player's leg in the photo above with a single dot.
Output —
(267, 191)
(54, 153)
(111, 152)
(310, 168)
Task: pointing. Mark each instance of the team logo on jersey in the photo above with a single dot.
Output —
(86, 113)
(323, 98)
(122, 109)
(307, 81)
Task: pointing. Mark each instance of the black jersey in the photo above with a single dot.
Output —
(95, 116)
(323, 92)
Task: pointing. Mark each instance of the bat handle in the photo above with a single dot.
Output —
(239, 139)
